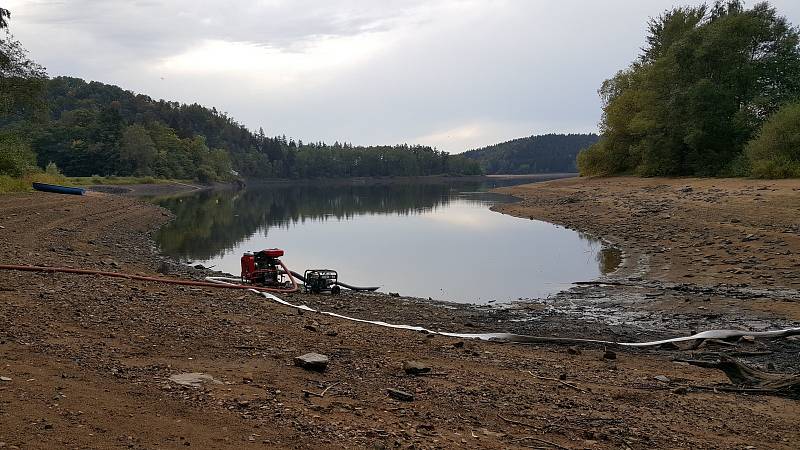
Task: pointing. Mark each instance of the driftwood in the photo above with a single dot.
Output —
(750, 379)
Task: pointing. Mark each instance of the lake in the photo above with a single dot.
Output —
(422, 239)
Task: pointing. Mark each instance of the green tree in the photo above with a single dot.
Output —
(22, 81)
(775, 152)
(137, 151)
(16, 156)
(701, 89)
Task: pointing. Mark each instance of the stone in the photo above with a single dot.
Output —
(662, 378)
(682, 390)
(312, 361)
(400, 395)
(415, 368)
(5, 379)
(609, 355)
(193, 379)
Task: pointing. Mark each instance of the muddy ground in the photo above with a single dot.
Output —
(86, 361)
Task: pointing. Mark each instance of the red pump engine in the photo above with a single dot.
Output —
(264, 268)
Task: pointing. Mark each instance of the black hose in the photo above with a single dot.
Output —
(344, 285)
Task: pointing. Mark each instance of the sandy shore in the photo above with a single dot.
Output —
(734, 238)
(86, 361)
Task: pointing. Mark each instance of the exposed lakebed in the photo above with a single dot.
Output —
(437, 240)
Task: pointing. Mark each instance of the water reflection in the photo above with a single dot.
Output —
(427, 240)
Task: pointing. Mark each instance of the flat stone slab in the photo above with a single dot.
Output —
(415, 368)
(397, 394)
(312, 361)
(193, 379)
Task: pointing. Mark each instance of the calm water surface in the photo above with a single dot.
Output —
(424, 240)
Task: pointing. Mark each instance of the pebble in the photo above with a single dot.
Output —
(312, 361)
(662, 378)
(5, 379)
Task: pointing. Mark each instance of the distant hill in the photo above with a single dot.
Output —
(549, 153)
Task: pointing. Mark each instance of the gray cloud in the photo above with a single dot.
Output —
(453, 73)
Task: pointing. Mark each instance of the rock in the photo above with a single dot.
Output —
(400, 395)
(193, 379)
(680, 390)
(574, 350)
(459, 344)
(199, 267)
(312, 361)
(331, 333)
(394, 294)
(747, 339)
(415, 368)
(609, 355)
(750, 237)
(662, 378)
(5, 379)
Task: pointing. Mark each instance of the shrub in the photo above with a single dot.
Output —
(16, 156)
(52, 170)
(775, 152)
(11, 184)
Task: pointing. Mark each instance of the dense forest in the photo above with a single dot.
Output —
(99, 129)
(715, 92)
(89, 128)
(549, 153)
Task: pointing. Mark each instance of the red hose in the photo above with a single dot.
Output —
(48, 269)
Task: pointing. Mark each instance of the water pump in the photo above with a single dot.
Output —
(263, 268)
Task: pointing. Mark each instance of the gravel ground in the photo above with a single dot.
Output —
(86, 361)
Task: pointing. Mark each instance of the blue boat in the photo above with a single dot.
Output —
(58, 189)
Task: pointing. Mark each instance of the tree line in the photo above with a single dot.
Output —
(715, 92)
(549, 153)
(91, 128)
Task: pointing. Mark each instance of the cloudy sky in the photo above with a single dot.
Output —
(456, 74)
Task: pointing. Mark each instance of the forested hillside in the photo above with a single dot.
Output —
(549, 153)
(95, 128)
(716, 91)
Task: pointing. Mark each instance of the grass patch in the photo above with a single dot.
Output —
(115, 181)
(10, 184)
(23, 184)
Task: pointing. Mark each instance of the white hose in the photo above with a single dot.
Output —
(521, 338)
